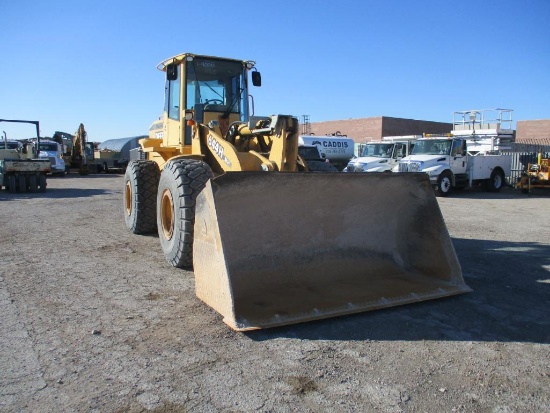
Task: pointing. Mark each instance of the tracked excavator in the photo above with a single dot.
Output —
(271, 243)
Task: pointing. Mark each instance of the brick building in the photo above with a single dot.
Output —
(367, 129)
(533, 131)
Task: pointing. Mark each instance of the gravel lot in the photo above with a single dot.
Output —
(93, 320)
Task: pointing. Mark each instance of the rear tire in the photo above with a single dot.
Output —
(11, 183)
(181, 181)
(22, 183)
(495, 182)
(33, 183)
(444, 184)
(140, 196)
(42, 182)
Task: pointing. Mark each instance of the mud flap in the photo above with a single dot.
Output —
(279, 248)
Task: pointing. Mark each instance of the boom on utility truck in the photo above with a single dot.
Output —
(487, 131)
(270, 245)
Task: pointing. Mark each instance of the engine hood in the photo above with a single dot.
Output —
(369, 162)
(416, 163)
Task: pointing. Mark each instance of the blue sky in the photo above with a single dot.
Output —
(69, 62)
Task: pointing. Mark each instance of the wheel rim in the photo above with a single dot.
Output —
(167, 214)
(128, 198)
(445, 184)
(497, 182)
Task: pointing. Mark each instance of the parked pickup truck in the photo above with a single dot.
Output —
(450, 166)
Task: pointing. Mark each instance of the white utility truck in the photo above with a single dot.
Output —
(382, 156)
(337, 149)
(470, 155)
(449, 165)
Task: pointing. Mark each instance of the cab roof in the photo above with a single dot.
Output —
(180, 57)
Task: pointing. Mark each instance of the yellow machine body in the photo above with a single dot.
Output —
(537, 176)
(273, 244)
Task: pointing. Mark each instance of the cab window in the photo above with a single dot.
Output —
(172, 95)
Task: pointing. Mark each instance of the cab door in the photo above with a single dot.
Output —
(458, 157)
(172, 133)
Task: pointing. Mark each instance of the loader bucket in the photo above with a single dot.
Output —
(279, 248)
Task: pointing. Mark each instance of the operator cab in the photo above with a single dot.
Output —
(214, 92)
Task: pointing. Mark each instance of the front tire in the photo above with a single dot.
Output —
(140, 196)
(181, 181)
(444, 184)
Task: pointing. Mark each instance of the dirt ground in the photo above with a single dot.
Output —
(93, 320)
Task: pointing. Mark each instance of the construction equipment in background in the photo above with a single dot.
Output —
(113, 155)
(77, 150)
(20, 168)
(537, 175)
(270, 245)
(109, 156)
(66, 141)
(79, 154)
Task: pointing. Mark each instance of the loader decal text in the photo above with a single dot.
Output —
(217, 148)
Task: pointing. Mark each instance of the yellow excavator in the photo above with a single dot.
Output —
(78, 151)
(271, 243)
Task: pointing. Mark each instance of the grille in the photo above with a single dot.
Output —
(409, 167)
(354, 168)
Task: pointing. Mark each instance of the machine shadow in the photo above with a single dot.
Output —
(55, 193)
(510, 303)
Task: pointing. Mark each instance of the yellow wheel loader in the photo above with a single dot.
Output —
(271, 243)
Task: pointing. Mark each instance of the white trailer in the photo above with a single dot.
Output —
(338, 150)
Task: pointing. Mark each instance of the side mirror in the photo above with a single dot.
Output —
(171, 72)
(256, 79)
